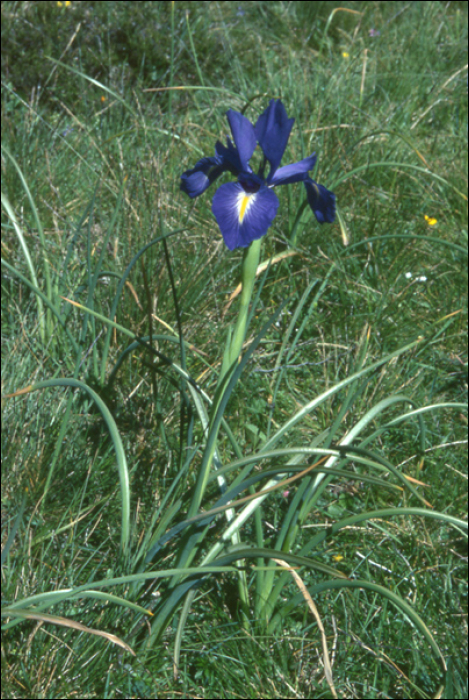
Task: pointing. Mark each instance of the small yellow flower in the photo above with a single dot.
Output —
(337, 557)
(430, 220)
(345, 54)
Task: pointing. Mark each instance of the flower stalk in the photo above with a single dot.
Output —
(235, 341)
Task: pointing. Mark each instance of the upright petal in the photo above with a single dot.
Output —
(206, 170)
(231, 156)
(321, 201)
(244, 137)
(243, 216)
(272, 130)
(296, 172)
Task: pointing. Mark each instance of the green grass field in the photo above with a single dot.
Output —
(117, 429)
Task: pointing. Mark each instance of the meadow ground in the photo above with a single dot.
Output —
(355, 357)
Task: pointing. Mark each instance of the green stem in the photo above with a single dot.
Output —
(248, 277)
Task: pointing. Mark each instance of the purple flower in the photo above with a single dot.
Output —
(245, 209)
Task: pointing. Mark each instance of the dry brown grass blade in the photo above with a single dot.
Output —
(65, 622)
(314, 610)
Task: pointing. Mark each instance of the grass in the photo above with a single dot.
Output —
(104, 105)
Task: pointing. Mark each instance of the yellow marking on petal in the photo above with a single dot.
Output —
(244, 205)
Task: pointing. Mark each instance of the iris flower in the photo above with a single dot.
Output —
(245, 209)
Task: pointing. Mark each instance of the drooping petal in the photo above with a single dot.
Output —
(296, 172)
(199, 178)
(244, 137)
(243, 216)
(272, 130)
(321, 201)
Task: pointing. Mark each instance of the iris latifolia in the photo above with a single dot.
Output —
(245, 209)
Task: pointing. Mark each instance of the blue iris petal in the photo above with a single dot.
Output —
(243, 216)
(321, 201)
(272, 130)
(296, 172)
(230, 155)
(244, 137)
(196, 181)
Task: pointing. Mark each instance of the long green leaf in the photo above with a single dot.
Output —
(116, 439)
(311, 405)
(42, 601)
(404, 166)
(382, 514)
(394, 598)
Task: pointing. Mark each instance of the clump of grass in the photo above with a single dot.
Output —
(99, 149)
